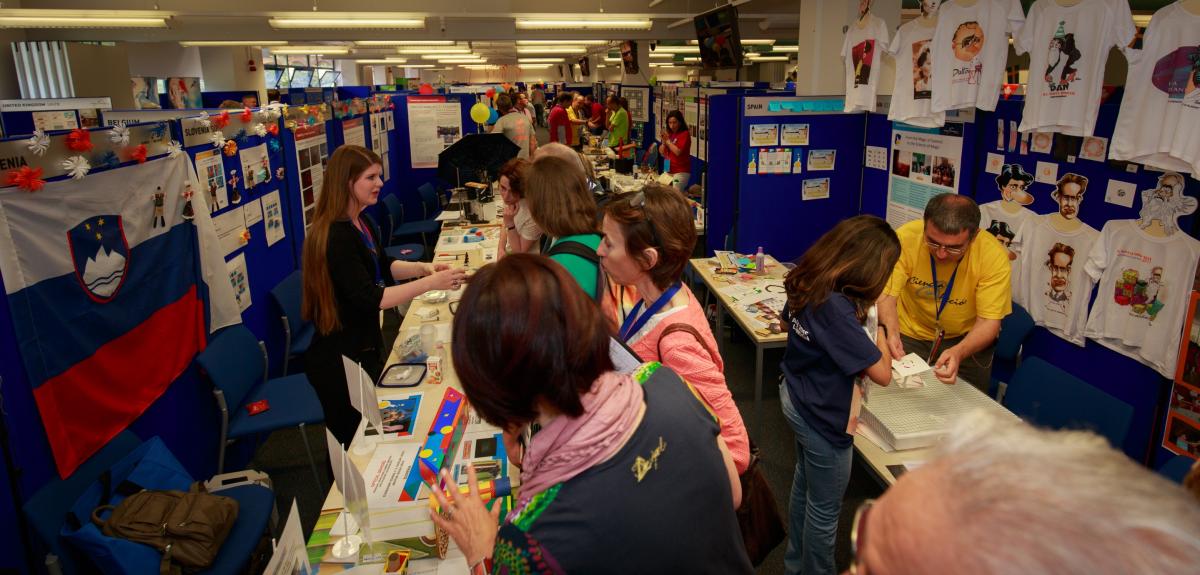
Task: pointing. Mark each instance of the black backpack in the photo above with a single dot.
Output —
(581, 250)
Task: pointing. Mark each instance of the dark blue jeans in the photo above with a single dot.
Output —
(822, 473)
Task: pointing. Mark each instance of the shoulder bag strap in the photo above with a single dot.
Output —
(677, 327)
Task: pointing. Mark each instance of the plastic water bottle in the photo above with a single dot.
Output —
(760, 262)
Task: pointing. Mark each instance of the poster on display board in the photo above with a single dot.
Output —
(379, 140)
(145, 93)
(57, 120)
(211, 172)
(354, 133)
(701, 131)
(312, 152)
(925, 162)
(433, 124)
(183, 93)
(638, 98)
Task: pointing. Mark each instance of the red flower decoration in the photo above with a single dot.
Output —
(79, 140)
(26, 178)
(221, 120)
(139, 153)
(273, 129)
(247, 116)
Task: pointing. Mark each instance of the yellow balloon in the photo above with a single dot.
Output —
(480, 112)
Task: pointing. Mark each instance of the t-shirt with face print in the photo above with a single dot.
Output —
(1006, 227)
(970, 48)
(1068, 47)
(1053, 285)
(862, 49)
(1159, 122)
(912, 51)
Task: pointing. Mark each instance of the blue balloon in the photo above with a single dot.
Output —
(493, 117)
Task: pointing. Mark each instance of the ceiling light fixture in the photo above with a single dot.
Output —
(770, 59)
(405, 42)
(56, 18)
(744, 41)
(550, 49)
(539, 60)
(347, 21)
(576, 24)
(678, 49)
(397, 62)
(311, 50)
(430, 66)
(438, 50)
(207, 43)
(534, 66)
(561, 42)
(612, 60)
(463, 61)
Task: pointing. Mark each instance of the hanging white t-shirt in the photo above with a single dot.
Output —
(1068, 47)
(1159, 122)
(862, 49)
(1055, 287)
(1145, 284)
(912, 51)
(970, 49)
(1000, 223)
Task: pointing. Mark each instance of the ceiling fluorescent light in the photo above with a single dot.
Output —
(534, 66)
(206, 43)
(744, 41)
(770, 59)
(659, 55)
(550, 49)
(463, 61)
(539, 60)
(405, 42)
(561, 42)
(399, 62)
(348, 20)
(785, 48)
(311, 50)
(418, 66)
(576, 24)
(678, 49)
(480, 67)
(1141, 20)
(438, 50)
(612, 60)
(54, 18)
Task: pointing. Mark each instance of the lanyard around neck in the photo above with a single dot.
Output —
(370, 243)
(940, 303)
(634, 323)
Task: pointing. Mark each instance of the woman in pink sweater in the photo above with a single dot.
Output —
(648, 238)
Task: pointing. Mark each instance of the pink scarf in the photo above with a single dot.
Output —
(569, 446)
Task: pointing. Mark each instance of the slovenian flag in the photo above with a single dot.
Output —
(114, 282)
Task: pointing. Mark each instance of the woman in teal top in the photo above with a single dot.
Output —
(618, 120)
(562, 206)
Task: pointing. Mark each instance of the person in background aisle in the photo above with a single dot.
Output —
(520, 234)
(618, 120)
(648, 238)
(346, 277)
(522, 106)
(538, 98)
(834, 342)
(578, 116)
(515, 126)
(1001, 497)
(562, 205)
(560, 120)
(626, 475)
(574, 158)
(676, 148)
(948, 292)
(595, 115)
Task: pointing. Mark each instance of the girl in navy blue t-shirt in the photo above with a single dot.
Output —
(832, 342)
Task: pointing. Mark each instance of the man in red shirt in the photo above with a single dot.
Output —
(595, 115)
(560, 122)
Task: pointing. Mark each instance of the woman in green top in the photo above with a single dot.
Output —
(562, 206)
(618, 120)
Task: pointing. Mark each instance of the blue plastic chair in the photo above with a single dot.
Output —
(1176, 468)
(1014, 329)
(402, 230)
(297, 333)
(48, 509)
(1045, 395)
(402, 252)
(231, 361)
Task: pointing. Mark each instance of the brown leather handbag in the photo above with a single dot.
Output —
(187, 527)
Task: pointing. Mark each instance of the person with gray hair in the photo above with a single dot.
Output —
(1000, 497)
(948, 292)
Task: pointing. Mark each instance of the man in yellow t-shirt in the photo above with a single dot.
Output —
(955, 325)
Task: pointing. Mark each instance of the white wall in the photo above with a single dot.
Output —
(228, 69)
(349, 72)
(101, 71)
(10, 88)
(165, 60)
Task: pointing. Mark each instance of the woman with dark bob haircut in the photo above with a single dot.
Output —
(620, 459)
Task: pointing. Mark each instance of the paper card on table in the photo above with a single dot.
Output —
(290, 555)
(911, 364)
(400, 414)
(1047, 172)
(362, 393)
(350, 482)
(1120, 193)
(995, 163)
(449, 215)
(387, 472)
(252, 212)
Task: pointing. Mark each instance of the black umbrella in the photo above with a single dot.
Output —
(465, 159)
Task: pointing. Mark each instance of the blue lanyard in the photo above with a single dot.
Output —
(939, 306)
(366, 238)
(630, 326)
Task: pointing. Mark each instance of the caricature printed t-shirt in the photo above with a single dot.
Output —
(1068, 47)
(970, 48)
(1145, 283)
(912, 51)
(982, 287)
(993, 213)
(1159, 122)
(861, 51)
(1057, 303)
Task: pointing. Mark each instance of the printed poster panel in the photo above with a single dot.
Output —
(312, 152)
(433, 124)
(924, 163)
